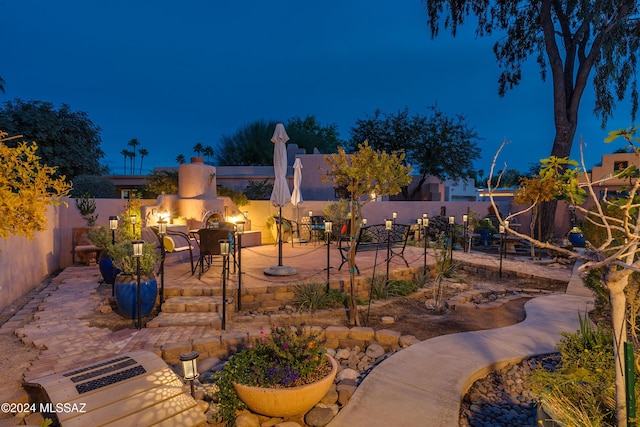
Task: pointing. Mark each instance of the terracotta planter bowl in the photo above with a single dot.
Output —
(284, 402)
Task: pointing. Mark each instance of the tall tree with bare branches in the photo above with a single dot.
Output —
(570, 40)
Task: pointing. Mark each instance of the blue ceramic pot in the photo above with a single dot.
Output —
(127, 297)
(485, 237)
(108, 271)
(577, 239)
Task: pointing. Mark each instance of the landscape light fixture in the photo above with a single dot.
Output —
(425, 224)
(162, 231)
(113, 226)
(224, 251)
(138, 247)
(328, 226)
(465, 223)
(246, 214)
(133, 219)
(452, 222)
(394, 215)
(190, 368)
(310, 214)
(388, 225)
(240, 231)
(501, 230)
(364, 221)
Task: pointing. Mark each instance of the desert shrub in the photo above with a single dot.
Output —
(314, 296)
(421, 278)
(583, 387)
(311, 296)
(337, 299)
(337, 212)
(401, 288)
(237, 196)
(379, 287)
(94, 185)
(258, 190)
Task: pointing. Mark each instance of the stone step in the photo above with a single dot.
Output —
(195, 291)
(212, 320)
(200, 304)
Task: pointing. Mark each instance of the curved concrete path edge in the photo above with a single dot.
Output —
(424, 383)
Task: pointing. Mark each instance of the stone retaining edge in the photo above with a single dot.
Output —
(221, 346)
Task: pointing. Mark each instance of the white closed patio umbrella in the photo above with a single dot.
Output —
(280, 195)
(296, 194)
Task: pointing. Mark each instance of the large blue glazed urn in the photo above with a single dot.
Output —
(107, 269)
(577, 238)
(127, 295)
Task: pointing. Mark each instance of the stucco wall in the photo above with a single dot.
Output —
(25, 263)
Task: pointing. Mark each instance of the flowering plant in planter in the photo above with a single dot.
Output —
(290, 357)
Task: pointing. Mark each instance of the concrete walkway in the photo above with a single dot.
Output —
(423, 385)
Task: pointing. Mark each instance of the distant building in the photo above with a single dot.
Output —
(313, 188)
(601, 176)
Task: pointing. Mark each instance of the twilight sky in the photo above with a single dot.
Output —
(175, 73)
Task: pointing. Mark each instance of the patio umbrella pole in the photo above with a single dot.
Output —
(280, 238)
(280, 195)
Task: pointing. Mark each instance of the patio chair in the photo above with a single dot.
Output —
(288, 226)
(210, 245)
(174, 242)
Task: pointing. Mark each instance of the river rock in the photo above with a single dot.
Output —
(347, 373)
(247, 419)
(330, 397)
(342, 354)
(374, 351)
(318, 416)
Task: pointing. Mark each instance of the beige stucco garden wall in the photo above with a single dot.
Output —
(25, 263)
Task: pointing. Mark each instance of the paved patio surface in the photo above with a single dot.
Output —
(66, 340)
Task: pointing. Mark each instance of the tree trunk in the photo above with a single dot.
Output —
(616, 285)
(354, 319)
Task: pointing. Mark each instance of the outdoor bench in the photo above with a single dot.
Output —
(376, 237)
(90, 253)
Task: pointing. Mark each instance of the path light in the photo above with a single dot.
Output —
(162, 231)
(452, 222)
(388, 225)
(133, 219)
(465, 223)
(190, 368)
(310, 214)
(113, 226)
(246, 214)
(138, 247)
(364, 221)
(394, 215)
(328, 226)
(224, 251)
(501, 231)
(425, 226)
(240, 232)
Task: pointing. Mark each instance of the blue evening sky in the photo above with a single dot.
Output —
(175, 73)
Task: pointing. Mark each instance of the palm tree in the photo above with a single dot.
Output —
(133, 143)
(180, 159)
(208, 151)
(143, 152)
(198, 148)
(125, 154)
(131, 155)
